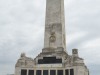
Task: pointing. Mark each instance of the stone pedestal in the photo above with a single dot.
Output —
(52, 63)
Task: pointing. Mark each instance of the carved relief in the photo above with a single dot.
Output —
(52, 37)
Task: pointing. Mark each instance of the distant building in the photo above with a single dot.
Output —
(54, 58)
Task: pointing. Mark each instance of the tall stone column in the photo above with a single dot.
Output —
(55, 25)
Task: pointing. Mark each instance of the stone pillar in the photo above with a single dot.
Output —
(34, 71)
(55, 25)
(27, 71)
(63, 71)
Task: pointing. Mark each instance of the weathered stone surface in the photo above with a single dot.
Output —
(55, 24)
(54, 55)
(24, 61)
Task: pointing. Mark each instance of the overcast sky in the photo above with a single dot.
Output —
(22, 30)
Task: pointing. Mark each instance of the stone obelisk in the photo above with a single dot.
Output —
(54, 59)
(55, 25)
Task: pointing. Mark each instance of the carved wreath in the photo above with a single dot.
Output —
(52, 37)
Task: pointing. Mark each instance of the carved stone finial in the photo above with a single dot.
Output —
(75, 52)
(23, 55)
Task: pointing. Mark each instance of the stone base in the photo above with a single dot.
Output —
(52, 63)
(75, 70)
